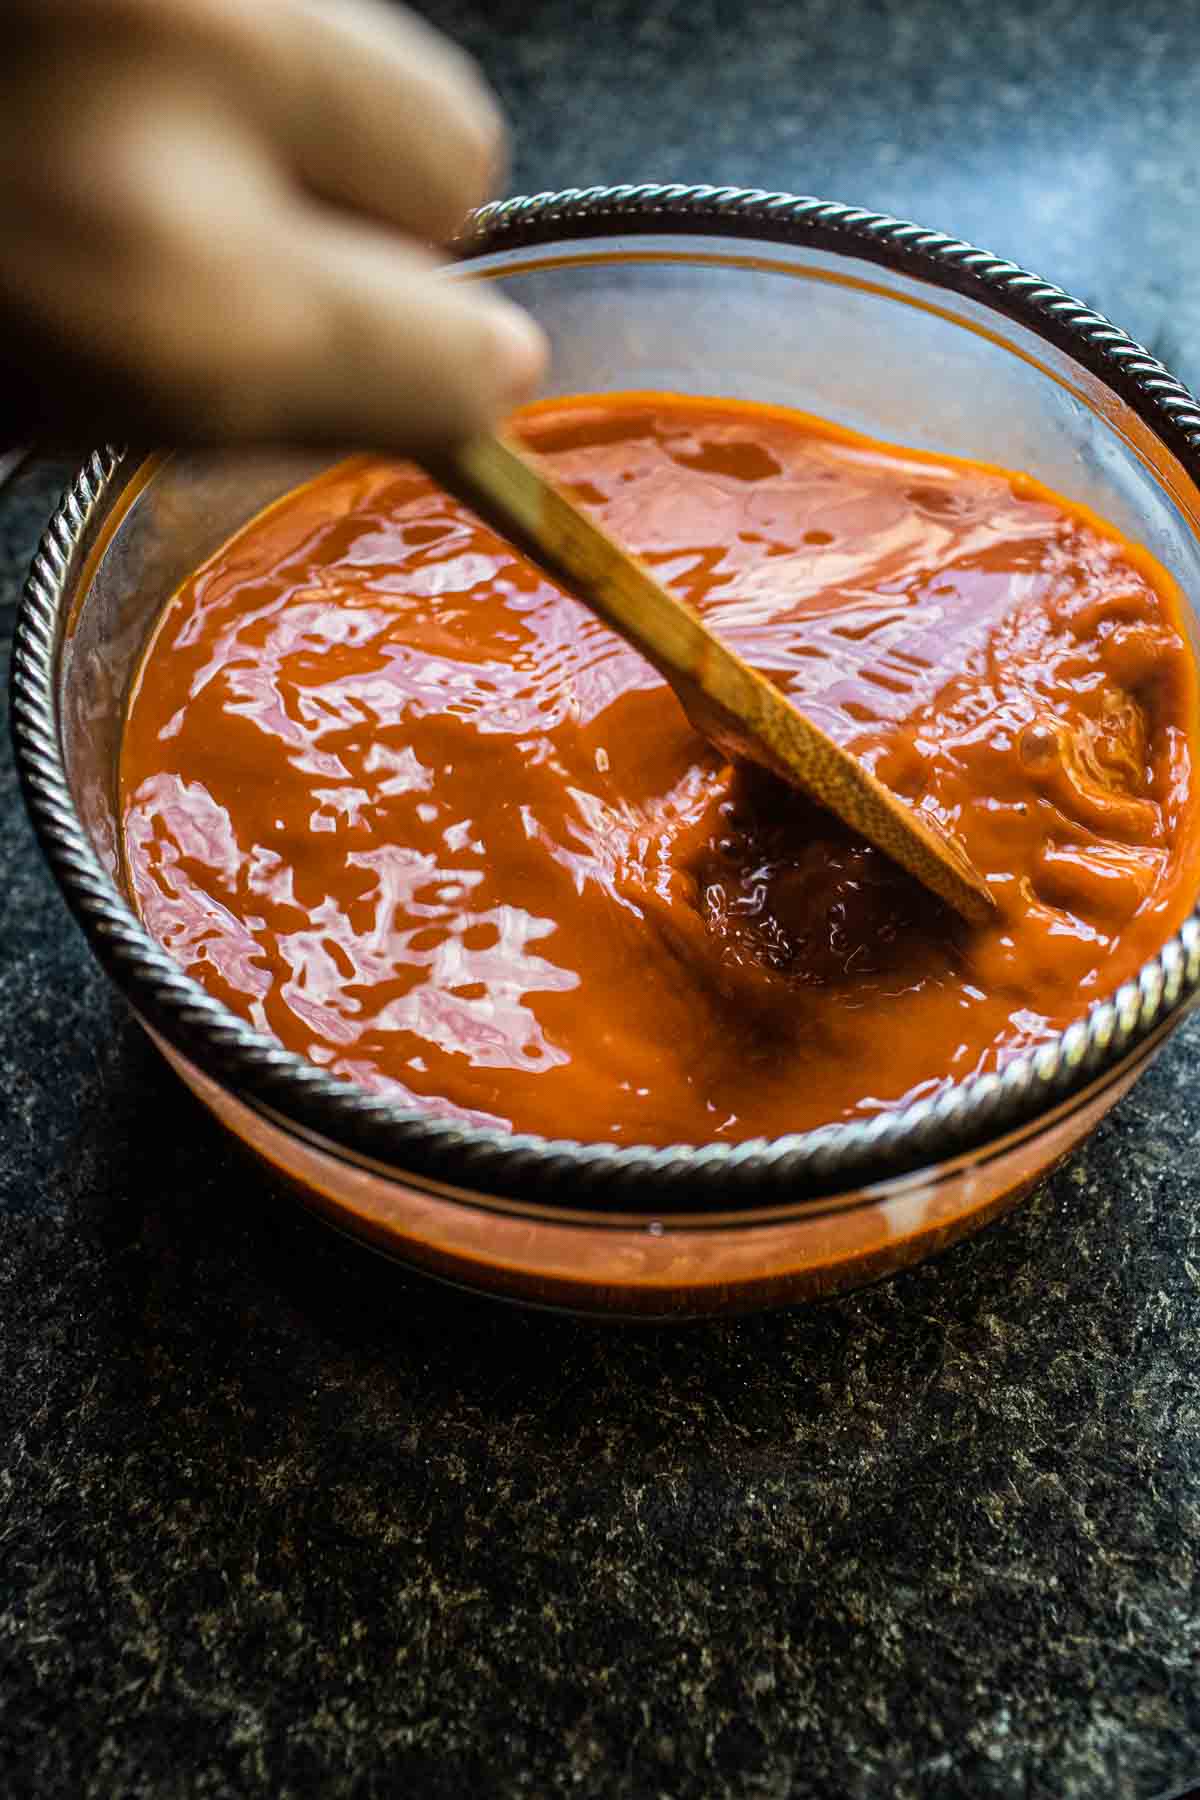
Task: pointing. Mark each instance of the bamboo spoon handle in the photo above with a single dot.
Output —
(727, 701)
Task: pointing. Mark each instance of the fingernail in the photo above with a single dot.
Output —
(521, 350)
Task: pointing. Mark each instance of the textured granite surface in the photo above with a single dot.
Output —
(273, 1521)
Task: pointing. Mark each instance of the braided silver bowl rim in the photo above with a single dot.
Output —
(569, 1176)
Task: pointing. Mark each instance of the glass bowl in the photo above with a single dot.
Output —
(888, 329)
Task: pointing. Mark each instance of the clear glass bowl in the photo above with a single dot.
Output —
(896, 332)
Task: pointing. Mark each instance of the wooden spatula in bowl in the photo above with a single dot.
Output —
(727, 701)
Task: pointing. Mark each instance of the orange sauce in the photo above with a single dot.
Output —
(395, 799)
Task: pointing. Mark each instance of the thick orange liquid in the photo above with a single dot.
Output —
(396, 800)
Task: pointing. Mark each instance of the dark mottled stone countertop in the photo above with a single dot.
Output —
(273, 1522)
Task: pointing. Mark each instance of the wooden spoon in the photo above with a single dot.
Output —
(726, 700)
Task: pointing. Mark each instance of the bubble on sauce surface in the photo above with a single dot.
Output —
(1038, 746)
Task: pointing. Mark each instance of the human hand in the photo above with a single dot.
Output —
(218, 221)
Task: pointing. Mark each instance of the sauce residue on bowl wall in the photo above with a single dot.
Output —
(398, 801)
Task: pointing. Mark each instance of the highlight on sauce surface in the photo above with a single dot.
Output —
(398, 801)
